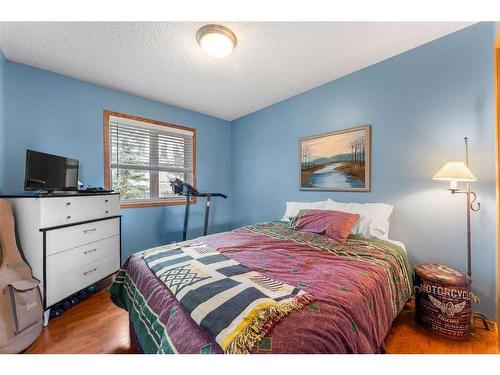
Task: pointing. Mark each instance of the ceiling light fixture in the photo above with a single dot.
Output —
(216, 40)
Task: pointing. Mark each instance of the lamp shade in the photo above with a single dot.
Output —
(454, 171)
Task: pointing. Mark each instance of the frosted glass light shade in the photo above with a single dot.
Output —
(454, 171)
(216, 40)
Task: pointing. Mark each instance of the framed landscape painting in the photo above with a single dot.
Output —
(336, 161)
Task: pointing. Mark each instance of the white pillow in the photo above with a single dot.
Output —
(335, 206)
(293, 208)
(374, 218)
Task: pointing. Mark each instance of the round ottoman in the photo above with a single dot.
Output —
(442, 301)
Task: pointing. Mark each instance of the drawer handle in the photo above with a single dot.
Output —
(106, 211)
(68, 203)
(89, 230)
(68, 217)
(106, 201)
(90, 251)
(89, 272)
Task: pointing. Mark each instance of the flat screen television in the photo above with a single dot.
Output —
(50, 172)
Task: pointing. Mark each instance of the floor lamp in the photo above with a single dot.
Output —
(454, 172)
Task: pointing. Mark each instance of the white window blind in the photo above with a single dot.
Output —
(144, 156)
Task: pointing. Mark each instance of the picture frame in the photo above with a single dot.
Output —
(336, 161)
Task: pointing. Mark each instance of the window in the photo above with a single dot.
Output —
(141, 155)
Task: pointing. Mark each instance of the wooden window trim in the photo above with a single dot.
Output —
(497, 131)
(107, 166)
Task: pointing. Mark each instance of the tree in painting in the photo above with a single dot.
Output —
(355, 167)
(358, 151)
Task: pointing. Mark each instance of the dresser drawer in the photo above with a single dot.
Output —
(71, 282)
(58, 240)
(102, 206)
(73, 209)
(70, 260)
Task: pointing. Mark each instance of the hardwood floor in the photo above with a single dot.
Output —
(407, 337)
(96, 325)
(93, 326)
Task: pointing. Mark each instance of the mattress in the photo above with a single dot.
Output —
(359, 288)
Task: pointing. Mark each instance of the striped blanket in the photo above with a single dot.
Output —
(236, 305)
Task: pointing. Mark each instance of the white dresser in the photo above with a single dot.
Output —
(70, 241)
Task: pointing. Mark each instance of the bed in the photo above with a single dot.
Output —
(359, 288)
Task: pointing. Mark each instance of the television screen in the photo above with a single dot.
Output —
(50, 172)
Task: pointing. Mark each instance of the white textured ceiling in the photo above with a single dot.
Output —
(162, 61)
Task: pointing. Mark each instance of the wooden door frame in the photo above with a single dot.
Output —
(497, 111)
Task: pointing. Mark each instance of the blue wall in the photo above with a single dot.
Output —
(421, 105)
(56, 114)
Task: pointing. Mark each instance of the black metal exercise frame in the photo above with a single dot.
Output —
(183, 188)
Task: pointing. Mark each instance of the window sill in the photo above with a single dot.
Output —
(156, 204)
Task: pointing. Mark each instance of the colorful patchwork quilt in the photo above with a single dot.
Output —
(358, 287)
(236, 305)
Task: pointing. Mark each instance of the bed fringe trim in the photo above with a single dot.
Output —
(260, 325)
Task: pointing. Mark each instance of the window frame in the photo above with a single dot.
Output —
(107, 163)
